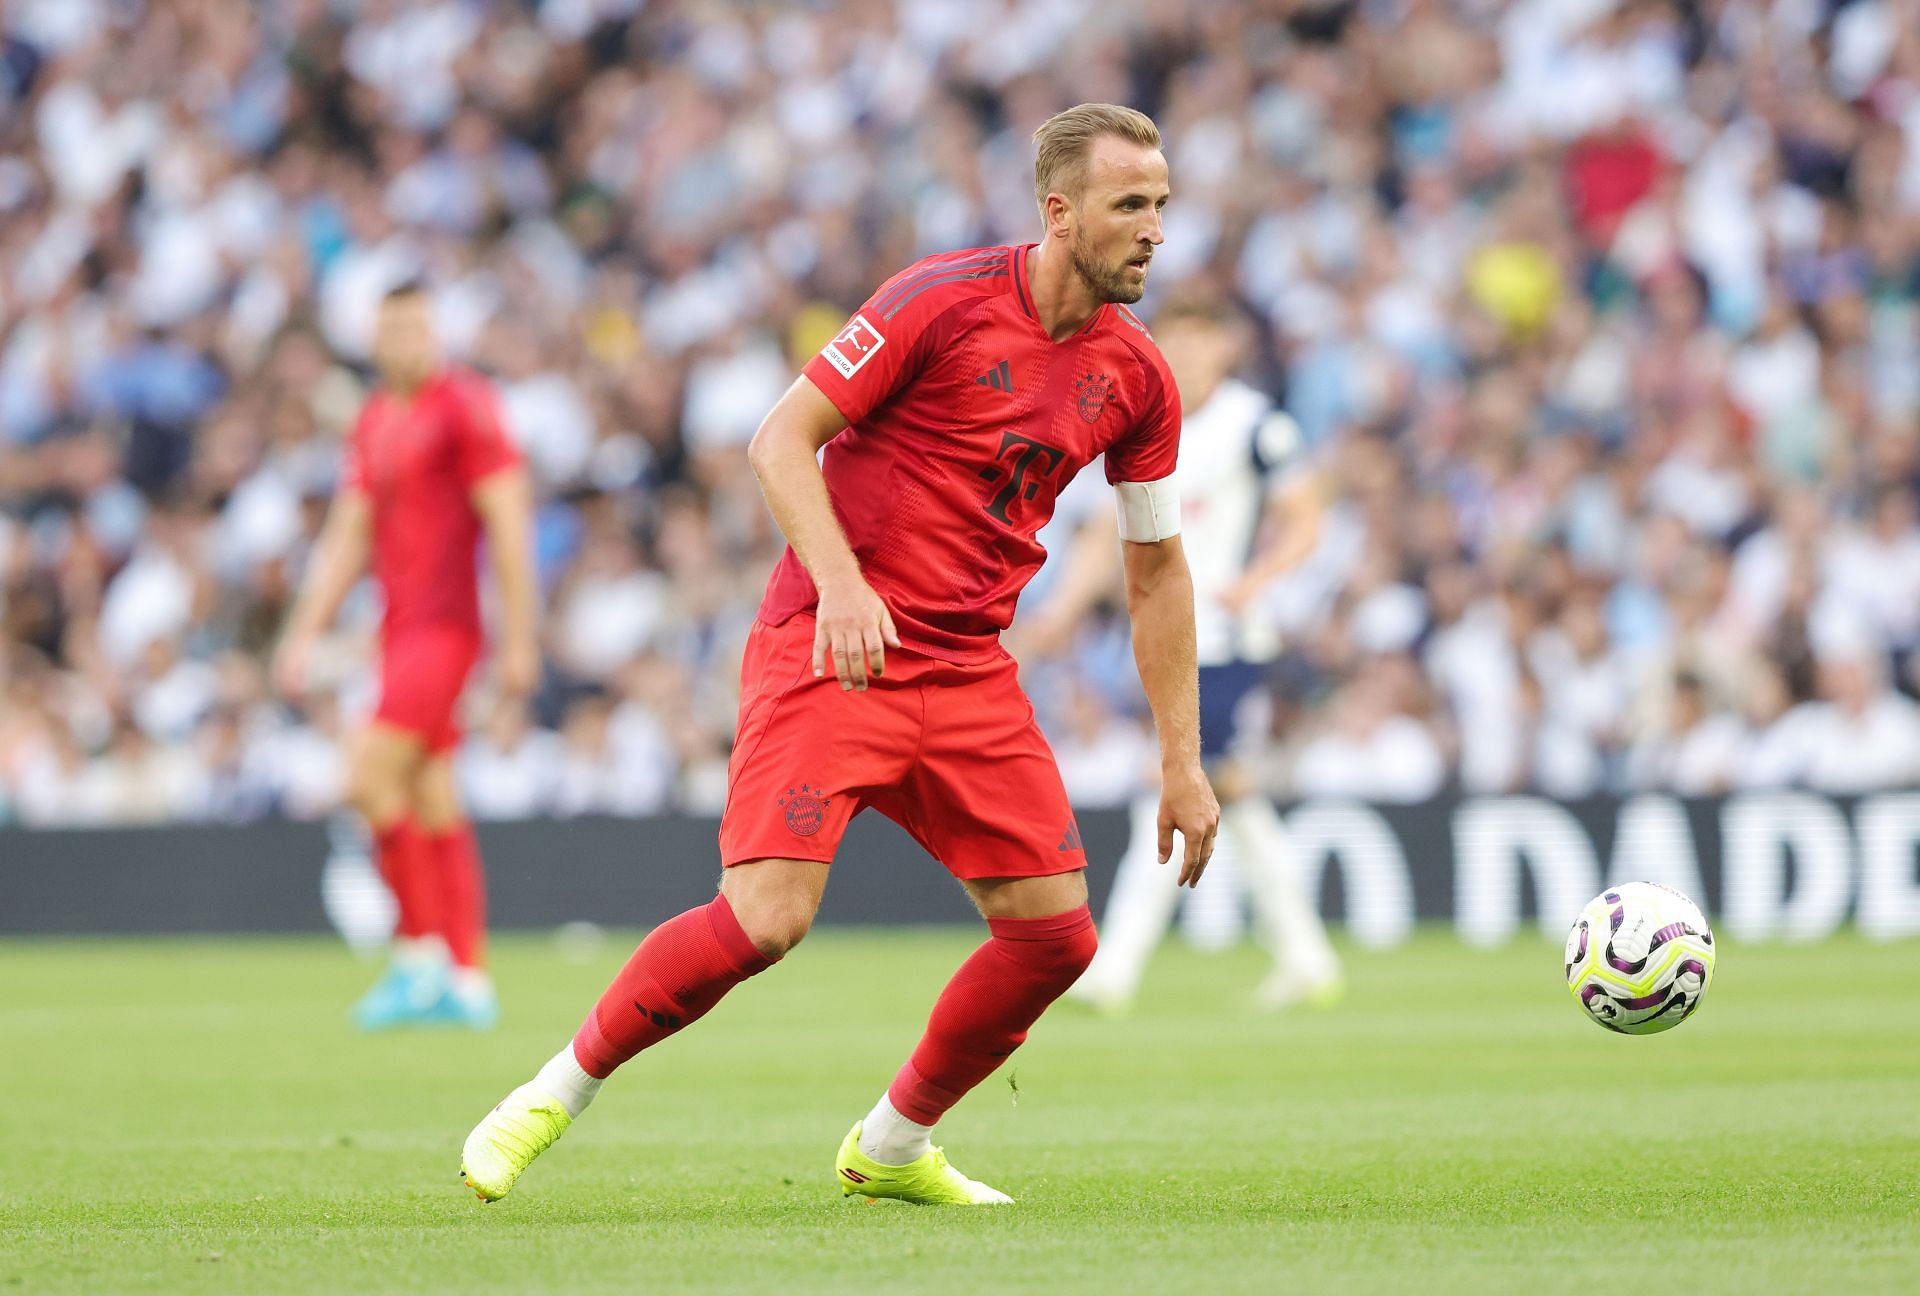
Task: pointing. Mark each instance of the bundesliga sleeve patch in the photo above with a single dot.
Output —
(853, 346)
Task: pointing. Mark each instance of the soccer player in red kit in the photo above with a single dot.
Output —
(954, 406)
(428, 470)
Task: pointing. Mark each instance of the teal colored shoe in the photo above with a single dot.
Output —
(408, 995)
(472, 1006)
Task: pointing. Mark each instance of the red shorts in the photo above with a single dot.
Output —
(421, 675)
(949, 752)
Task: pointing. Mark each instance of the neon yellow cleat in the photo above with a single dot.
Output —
(506, 1141)
(929, 1181)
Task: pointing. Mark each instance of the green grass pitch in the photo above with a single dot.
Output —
(197, 1117)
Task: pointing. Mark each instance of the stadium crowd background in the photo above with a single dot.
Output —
(1598, 317)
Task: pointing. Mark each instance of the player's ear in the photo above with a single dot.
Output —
(1059, 216)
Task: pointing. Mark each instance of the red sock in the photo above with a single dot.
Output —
(406, 862)
(983, 1014)
(461, 885)
(680, 971)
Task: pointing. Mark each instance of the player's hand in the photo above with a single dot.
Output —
(1187, 803)
(290, 666)
(519, 668)
(853, 632)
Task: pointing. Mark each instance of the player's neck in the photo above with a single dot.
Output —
(409, 387)
(1061, 298)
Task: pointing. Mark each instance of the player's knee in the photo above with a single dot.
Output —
(374, 791)
(377, 803)
(774, 900)
(781, 932)
(1076, 951)
(1066, 956)
(774, 924)
(436, 797)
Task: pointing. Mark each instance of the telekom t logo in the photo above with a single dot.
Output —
(1025, 452)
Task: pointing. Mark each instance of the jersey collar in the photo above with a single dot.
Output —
(1023, 292)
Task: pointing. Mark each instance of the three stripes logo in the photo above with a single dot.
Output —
(1000, 378)
(853, 1176)
(663, 1020)
(1070, 842)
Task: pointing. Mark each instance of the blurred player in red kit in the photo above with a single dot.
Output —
(428, 471)
(953, 408)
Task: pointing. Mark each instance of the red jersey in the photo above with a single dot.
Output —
(965, 421)
(417, 460)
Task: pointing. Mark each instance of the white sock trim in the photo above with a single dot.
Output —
(472, 983)
(420, 951)
(890, 1138)
(564, 1078)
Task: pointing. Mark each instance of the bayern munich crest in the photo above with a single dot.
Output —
(1095, 390)
(806, 809)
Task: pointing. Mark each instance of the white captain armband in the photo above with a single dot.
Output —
(1149, 511)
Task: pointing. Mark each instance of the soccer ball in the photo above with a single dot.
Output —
(1640, 958)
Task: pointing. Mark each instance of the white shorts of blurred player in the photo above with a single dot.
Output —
(1254, 871)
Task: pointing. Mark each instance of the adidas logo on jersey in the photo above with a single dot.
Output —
(1000, 378)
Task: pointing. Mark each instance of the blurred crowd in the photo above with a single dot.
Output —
(1598, 318)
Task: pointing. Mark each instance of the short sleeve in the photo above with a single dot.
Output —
(874, 354)
(1151, 448)
(483, 446)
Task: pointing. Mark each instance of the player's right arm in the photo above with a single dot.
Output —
(501, 494)
(853, 628)
(876, 353)
(339, 558)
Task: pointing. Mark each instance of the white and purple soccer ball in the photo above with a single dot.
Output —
(1640, 958)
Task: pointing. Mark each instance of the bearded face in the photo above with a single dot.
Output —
(1115, 219)
(1112, 276)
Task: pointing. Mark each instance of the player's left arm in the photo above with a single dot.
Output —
(1160, 602)
(504, 501)
(502, 494)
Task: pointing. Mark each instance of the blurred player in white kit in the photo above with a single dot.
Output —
(1251, 512)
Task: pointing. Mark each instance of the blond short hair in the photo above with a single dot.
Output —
(1067, 137)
